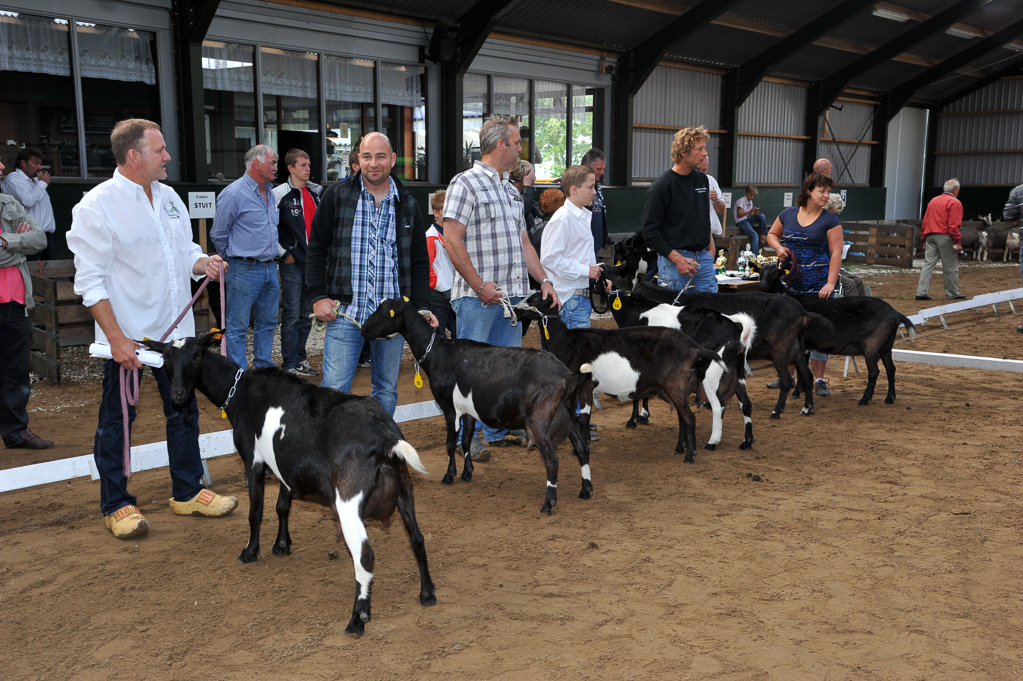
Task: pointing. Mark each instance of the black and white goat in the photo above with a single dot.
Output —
(500, 386)
(324, 445)
(731, 336)
(856, 325)
(780, 321)
(632, 363)
(633, 261)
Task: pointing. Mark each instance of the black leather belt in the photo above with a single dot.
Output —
(261, 262)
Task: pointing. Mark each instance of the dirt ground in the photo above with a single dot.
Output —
(879, 542)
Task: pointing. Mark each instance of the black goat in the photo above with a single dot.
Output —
(856, 325)
(633, 261)
(631, 363)
(781, 323)
(731, 336)
(324, 445)
(502, 387)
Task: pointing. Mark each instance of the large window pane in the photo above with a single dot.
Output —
(230, 105)
(351, 109)
(38, 108)
(551, 133)
(291, 105)
(403, 100)
(582, 122)
(118, 67)
(475, 107)
(511, 98)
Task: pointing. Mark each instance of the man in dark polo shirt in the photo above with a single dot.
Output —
(676, 222)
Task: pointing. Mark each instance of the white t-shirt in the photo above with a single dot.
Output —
(745, 204)
(715, 221)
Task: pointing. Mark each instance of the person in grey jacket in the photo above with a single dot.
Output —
(1014, 211)
(19, 236)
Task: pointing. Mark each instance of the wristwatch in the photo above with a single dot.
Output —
(546, 281)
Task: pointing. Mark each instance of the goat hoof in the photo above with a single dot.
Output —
(631, 425)
(775, 415)
(356, 626)
(584, 493)
(710, 447)
(889, 400)
(448, 479)
(643, 420)
(467, 476)
(688, 459)
(746, 445)
(281, 550)
(546, 510)
(864, 403)
(806, 411)
(427, 599)
(247, 557)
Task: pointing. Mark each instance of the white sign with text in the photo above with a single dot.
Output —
(202, 204)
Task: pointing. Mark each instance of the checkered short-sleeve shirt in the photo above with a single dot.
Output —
(491, 209)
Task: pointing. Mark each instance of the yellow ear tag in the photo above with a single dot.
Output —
(405, 298)
(392, 313)
(418, 380)
(618, 264)
(617, 304)
(223, 414)
(546, 334)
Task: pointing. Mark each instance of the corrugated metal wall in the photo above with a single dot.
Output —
(777, 109)
(850, 162)
(676, 98)
(968, 135)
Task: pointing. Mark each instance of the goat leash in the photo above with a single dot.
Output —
(418, 380)
(127, 395)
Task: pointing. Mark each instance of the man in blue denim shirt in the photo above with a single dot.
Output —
(245, 234)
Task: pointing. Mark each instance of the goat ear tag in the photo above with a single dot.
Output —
(418, 380)
(223, 414)
(546, 333)
(405, 298)
(617, 304)
(392, 313)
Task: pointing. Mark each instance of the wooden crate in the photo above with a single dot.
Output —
(880, 243)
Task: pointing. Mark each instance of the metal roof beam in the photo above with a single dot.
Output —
(833, 85)
(753, 70)
(1013, 69)
(897, 97)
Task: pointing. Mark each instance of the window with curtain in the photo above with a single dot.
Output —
(118, 70)
(228, 74)
(291, 118)
(403, 110)
(351, 108)
(37, 107)
(475, 107)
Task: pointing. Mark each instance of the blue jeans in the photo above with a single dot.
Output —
(296, 308)
(753, 226)
(108, 447)
(704, 281)
(575, 312)
(486, 325)
(251, 286)
(341, 349)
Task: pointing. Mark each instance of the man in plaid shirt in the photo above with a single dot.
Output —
(486, 238)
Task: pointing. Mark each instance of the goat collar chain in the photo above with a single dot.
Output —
(688, 286)
(230, 393)
(418, 380)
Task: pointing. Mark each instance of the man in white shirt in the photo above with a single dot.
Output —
(28, 185)
(134, 255)
(717, 204)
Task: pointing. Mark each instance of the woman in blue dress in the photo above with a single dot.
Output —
(814, 236)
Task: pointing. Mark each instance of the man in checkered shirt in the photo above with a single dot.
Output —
(486, 238)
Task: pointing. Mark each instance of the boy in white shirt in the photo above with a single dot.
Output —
(567, 249)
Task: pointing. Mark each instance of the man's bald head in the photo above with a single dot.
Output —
(822, 166)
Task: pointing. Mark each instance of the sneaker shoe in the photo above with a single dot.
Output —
(205, 503)
(30, 440)
(959, 296)
(306, 369)
(776, 384)
(364, 365)
(820, 387)
(594, 435)
(126, 522)
(512, 438)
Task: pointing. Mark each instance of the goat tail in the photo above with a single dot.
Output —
(749, 329)
(911, 328)
(407, 453)
(586, 368)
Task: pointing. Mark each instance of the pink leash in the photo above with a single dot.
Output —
(130, 394)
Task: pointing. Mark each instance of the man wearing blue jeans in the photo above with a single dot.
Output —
(486, 237)
(367, 244)
(297, 199)
(676, 221)
(245, 234)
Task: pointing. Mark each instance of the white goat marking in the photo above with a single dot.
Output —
(585, 470)
(355, 537)
(552, 484)
(179, 343)
(662, 315)
(585, 410)
(711, 381)
(263, 451)
(463, 404)
(616, 375)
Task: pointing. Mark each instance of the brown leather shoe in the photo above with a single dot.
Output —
(30, 440)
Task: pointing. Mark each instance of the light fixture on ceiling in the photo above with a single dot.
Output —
(960, 33)
(1015, 47)
(891, 15)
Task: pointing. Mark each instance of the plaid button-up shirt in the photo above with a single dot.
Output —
(374, 254)
(491, 209)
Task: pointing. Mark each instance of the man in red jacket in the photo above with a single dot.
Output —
(940, 231)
